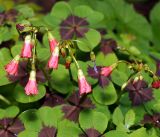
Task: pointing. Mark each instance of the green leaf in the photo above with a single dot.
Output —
(20, 96)
(106, 60)
(106, 95)
(129, 118)
(25, 10)
(61, 10)
(2, 113)
(89, 41)
(28, 133)
(117, 116)
(50, 116)
(155, 20)
(16, 49)
(115, 133)
(5, 34)
(60, 80)
(31, 120)
(92, 119)
(68, 128)
(92, 16)
(119, 77)
(11, 111)
(139, 133)
(5, 56)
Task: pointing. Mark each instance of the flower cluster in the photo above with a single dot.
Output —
(12, 68)
(56, 48)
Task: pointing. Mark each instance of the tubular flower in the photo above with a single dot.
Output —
(53, 61)
(106, 71)
(84, 86)
(27, 47)
(31, 87)
(12, 67)
(52, 42)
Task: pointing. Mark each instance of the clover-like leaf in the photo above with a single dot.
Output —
(68, 129)
(31, 120)
(117, 116)
(91, 119)
(106, 95)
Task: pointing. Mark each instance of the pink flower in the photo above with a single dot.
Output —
(106, 71)
(53, 61)
(12, 67)
(31, 87)
(84, 86)
(52, 42)
(27, 47)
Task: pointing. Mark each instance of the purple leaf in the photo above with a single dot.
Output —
(47, 132)
(53, 100)
(73, 26)
(71, 112)
(77, 104)
(152, 119)
(10, 127)
(139, 92)
(108, 46)
(91, 133)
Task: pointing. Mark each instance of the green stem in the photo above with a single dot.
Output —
(73, 57)
(5, 100)
(34, 52)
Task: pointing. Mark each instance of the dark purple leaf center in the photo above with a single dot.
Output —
(10, 127)
(152, 119)
(73, 26)
(76, 104)
(139, 92)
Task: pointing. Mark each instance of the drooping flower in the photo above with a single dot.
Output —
(12, 67)
(52, 42)
(106, 71)
(53, 61)
(27, 47)
(31, 87)
(84, 86)
(156, 84)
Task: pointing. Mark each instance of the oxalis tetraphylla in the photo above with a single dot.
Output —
(29, 53)
(66, 49)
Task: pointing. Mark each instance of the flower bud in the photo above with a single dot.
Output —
(124, 85)
(92, 56)
(156, 84)
(68, 62)
(63, 52)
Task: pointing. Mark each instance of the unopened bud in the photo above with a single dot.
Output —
(124, 85)
(92, 56)
(63, 52)
(68, 62)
